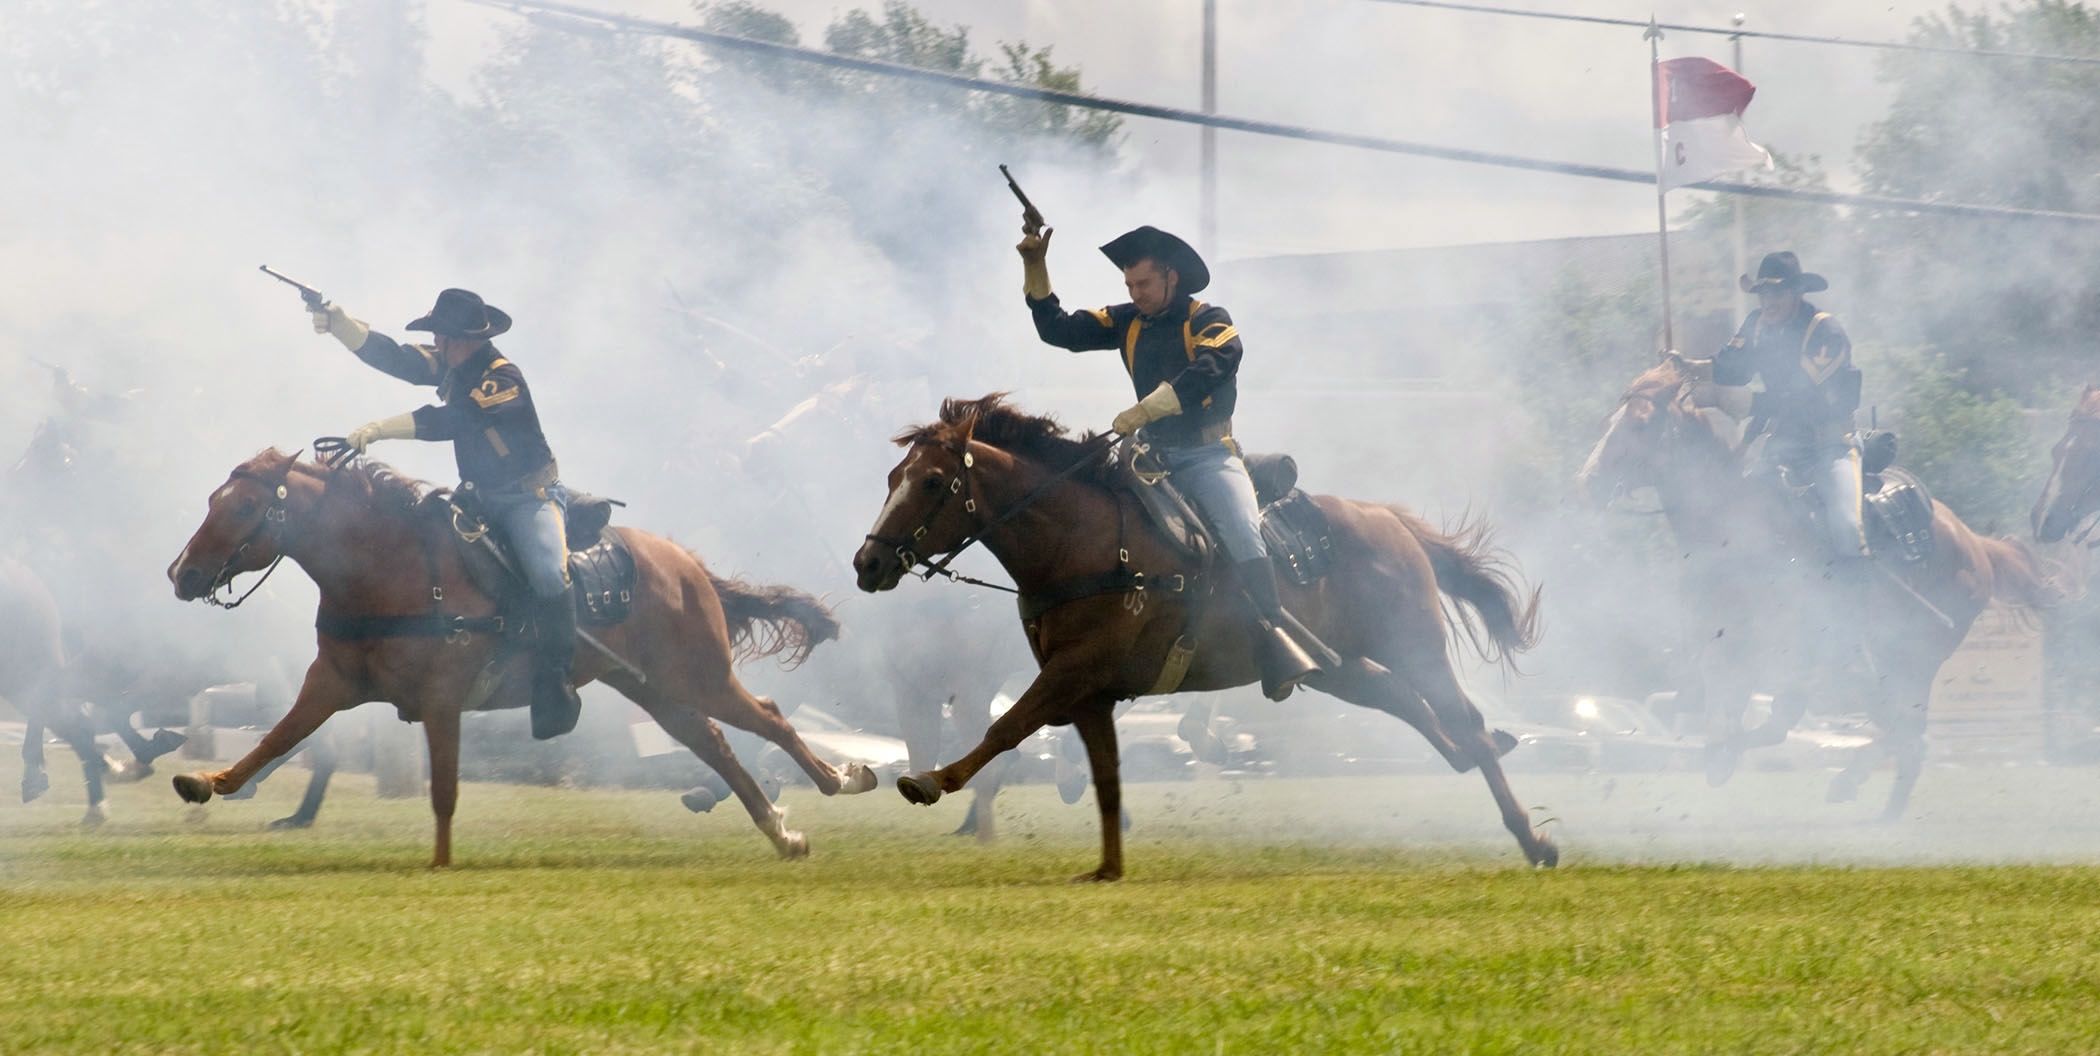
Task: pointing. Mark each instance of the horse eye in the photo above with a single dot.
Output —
(247, 507)
(931, 484)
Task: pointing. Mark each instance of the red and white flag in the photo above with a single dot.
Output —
(1701, 118)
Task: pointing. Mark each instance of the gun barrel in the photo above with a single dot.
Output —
(312, 296)
(1030, 215)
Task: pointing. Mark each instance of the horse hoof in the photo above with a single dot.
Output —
(1103, 875)
(921, 789)
(1071, 784)
(1548, 854)
(193, 788)
(1842, 790)
(858, 779)
(968, 826)
(1720, 764)
(34, 785)
(699, 800)
(162, 742)
(792, 845)
(295, 821)
(1504, 741)
(97, 813)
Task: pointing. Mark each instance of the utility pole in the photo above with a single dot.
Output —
(1735, 202)
(1207, 234)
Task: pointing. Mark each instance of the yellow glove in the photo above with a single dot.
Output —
(1035, 265)
(331, 319)
(1162, 403)
(399, 427)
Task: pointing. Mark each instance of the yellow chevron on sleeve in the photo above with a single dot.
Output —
(1216, 335)
(488, 395)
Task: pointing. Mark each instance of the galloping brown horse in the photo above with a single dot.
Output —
(1758, 607)
(979, 470)
(374, 542)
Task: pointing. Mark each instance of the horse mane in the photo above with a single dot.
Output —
(991, 419)
(1654, 384)
(374, 484)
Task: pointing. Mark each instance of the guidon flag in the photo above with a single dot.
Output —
(1700, 114)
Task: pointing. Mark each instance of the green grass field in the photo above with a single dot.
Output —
(1386, 915)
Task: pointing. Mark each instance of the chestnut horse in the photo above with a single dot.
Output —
(1758, 610)
(373, 542)
(1046, 508)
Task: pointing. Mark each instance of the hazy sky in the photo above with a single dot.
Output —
(1522, 86)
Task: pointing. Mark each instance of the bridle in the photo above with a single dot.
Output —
(274, 517)
(962, 484)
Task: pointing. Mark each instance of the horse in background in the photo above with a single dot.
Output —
(1057, 520)
(1758, 597)
(349, 527)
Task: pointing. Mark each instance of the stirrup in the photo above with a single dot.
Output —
(1282, 663)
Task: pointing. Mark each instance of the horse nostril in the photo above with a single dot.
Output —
(190, 583)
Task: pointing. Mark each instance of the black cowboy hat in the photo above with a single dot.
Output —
(1150, 243)
(1783, 270)
(462, 313)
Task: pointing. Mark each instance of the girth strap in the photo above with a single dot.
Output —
(1119, 581)
(422, 625)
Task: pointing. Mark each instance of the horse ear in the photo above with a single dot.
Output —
(965, 429)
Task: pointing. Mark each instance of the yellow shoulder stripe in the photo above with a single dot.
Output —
(498, 362)
(1101, 316)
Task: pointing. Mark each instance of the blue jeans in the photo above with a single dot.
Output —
(532, 523)
(1836, 474)
(1215, 481)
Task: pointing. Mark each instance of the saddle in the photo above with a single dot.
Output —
(601, 568)
(1296, 533)
(1896, 505)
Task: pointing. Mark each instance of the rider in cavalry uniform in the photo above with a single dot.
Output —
(486, 412)
(1182, 356)
(1811, 391)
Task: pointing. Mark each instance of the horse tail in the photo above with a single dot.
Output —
(773, 621)
(1499, 618)
(2023, 577)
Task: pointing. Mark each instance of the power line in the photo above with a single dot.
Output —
(570, 18)
(1884, 45)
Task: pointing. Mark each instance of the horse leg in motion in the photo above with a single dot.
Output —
(1367, 683)
(144, 750)
(698, 733)
(1900, 716)
(35, 782)
(320, 752)
(324, 693)
(1096, 722)
(1462, 722)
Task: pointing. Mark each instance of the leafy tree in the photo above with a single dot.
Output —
(2011, 306)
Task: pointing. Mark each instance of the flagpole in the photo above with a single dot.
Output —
(1662, 215)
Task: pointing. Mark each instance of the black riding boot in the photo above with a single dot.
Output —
(554, 702)
(1284, 650)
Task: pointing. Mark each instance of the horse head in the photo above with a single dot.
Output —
(928, 512)
(243, 529)
(1650, 428)
(2073, 491)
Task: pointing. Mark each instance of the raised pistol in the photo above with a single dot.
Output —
(311, 296)
(1031, 217)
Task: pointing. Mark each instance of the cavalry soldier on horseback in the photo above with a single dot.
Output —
(1811, 391)
(487, 414)
(1182, 356)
